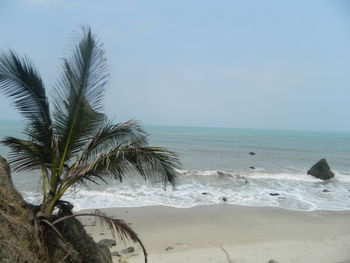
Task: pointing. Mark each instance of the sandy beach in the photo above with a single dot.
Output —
(248, 234)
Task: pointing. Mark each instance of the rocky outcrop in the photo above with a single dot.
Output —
(321, 170)
(24, 239)
(19, 238)
(83, 247)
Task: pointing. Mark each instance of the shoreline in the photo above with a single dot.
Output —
(248, 234)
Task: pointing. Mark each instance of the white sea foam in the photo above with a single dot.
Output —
(295, 191)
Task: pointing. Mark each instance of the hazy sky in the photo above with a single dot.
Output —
(245, 64)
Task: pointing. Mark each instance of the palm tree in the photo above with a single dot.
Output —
(73, 142)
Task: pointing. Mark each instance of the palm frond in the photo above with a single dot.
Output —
(118, 227)
(79, 95)
(25, 155)
(152, 163)
(20, 81)
(112, 136)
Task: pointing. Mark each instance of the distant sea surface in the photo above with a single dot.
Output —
(216, 165)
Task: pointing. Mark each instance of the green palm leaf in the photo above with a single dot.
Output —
(154, 164)
(79, 93)
(25, 155)
(20, 82)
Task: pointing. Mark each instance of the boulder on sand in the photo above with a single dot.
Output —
(321, 170)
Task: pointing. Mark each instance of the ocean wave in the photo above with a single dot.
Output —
(285, 190)
(260, 173)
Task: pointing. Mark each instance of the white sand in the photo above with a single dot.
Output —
(248, 234)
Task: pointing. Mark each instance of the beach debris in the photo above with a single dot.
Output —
(252, 167)
(169, 248)
(272, 261)
(252, 153)
(274, 194)
(229, 260)
(326, 190)
(321, 170)
(224, 199)
(108, 242)
(102, 234)
(281, 198)
(127, 251)
(204, 193)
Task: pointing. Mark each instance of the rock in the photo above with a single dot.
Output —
(224, 174)
(18, 235)
(321, 170)
(107, 242)
(252, 153)
(88, 251)
(169, 248)
(127, 251)
(272, 261)
(274, 194)
(204, 193)
(252, 167)
(325, 190)
(116, 254)
(224, 199)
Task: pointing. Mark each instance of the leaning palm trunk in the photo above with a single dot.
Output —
(73, 142)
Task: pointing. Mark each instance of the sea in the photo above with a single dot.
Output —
(217, 168)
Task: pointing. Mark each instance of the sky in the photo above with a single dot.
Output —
(244, 64)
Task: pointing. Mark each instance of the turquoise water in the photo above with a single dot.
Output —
(216, 162)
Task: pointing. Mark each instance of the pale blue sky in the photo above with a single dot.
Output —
(245, 64)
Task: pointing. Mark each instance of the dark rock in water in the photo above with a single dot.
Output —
(224, 199)
(168, 248)
(252, 153)
(274, 194)
(252, 167)
(325, 191)
(204, 193)
(127, 251)
(108, 242)
(223, 174)
(272, 261)
(321, 170)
